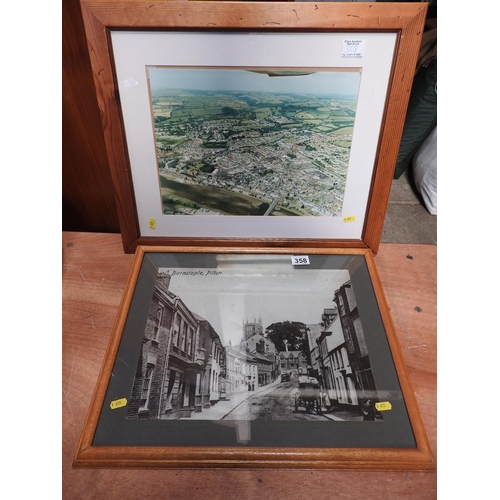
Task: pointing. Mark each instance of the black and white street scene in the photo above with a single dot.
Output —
(268, 343)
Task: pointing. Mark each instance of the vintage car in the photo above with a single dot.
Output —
(308, 394)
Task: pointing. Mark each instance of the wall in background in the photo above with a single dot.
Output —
(88, 202)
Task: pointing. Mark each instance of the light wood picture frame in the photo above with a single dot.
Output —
(143, 416)
(344, 22)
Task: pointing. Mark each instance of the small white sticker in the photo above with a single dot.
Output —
(353, 48)
(300, 260)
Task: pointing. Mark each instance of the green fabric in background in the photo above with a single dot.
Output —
(421, 117)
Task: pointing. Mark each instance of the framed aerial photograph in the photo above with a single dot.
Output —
(255, 123)
(253, 141)
(253, 357)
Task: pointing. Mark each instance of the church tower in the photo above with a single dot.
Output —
(251, 328)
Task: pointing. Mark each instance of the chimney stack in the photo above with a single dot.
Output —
(163, 280)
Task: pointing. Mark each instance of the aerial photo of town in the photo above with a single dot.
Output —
(253, 142)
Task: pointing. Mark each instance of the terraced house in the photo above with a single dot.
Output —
(181, 367)
(343, 355)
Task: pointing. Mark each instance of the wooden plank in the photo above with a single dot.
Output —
(88, 193)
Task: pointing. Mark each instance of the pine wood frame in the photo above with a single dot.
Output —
(396, 459)
(405, 19)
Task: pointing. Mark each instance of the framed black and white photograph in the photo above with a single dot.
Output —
(253, 357)
(244, 342)
(271, 122)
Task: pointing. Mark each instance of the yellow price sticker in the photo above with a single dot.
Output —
(383, 406)
(350, 218)
(152, 223)
(118, 403)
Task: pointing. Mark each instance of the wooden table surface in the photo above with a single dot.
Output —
(95, 270)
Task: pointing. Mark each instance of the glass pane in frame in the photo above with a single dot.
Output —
(254, 351)
(231, 127)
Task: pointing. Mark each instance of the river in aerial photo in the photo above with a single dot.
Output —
(212, 198)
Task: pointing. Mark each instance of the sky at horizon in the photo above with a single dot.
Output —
(338, 82)
(228, 299)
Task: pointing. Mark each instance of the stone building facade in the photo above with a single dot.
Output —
(181, 367)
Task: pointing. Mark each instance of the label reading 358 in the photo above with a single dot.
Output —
(300, 260)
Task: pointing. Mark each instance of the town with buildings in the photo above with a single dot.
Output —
(186, 371)
(252, 153)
